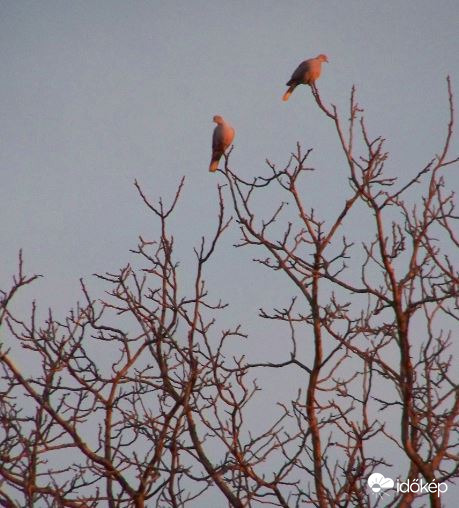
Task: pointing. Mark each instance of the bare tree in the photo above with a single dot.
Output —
(135, 401)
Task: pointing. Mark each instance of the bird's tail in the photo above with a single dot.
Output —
(288, 93)
(214, 164)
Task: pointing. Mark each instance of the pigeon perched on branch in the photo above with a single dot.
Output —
(221, 140)
(305, 74)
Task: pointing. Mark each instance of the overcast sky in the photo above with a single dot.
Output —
(96, 94)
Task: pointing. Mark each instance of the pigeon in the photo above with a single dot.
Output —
(305, 74)
(221, 140)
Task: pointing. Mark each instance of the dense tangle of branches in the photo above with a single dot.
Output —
(134, 401)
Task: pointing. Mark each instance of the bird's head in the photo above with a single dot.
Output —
(218, 119)
(322, 58)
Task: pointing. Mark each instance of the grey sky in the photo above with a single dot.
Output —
(96, 94)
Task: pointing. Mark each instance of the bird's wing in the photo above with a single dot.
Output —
(299, 73)
(218, 141)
